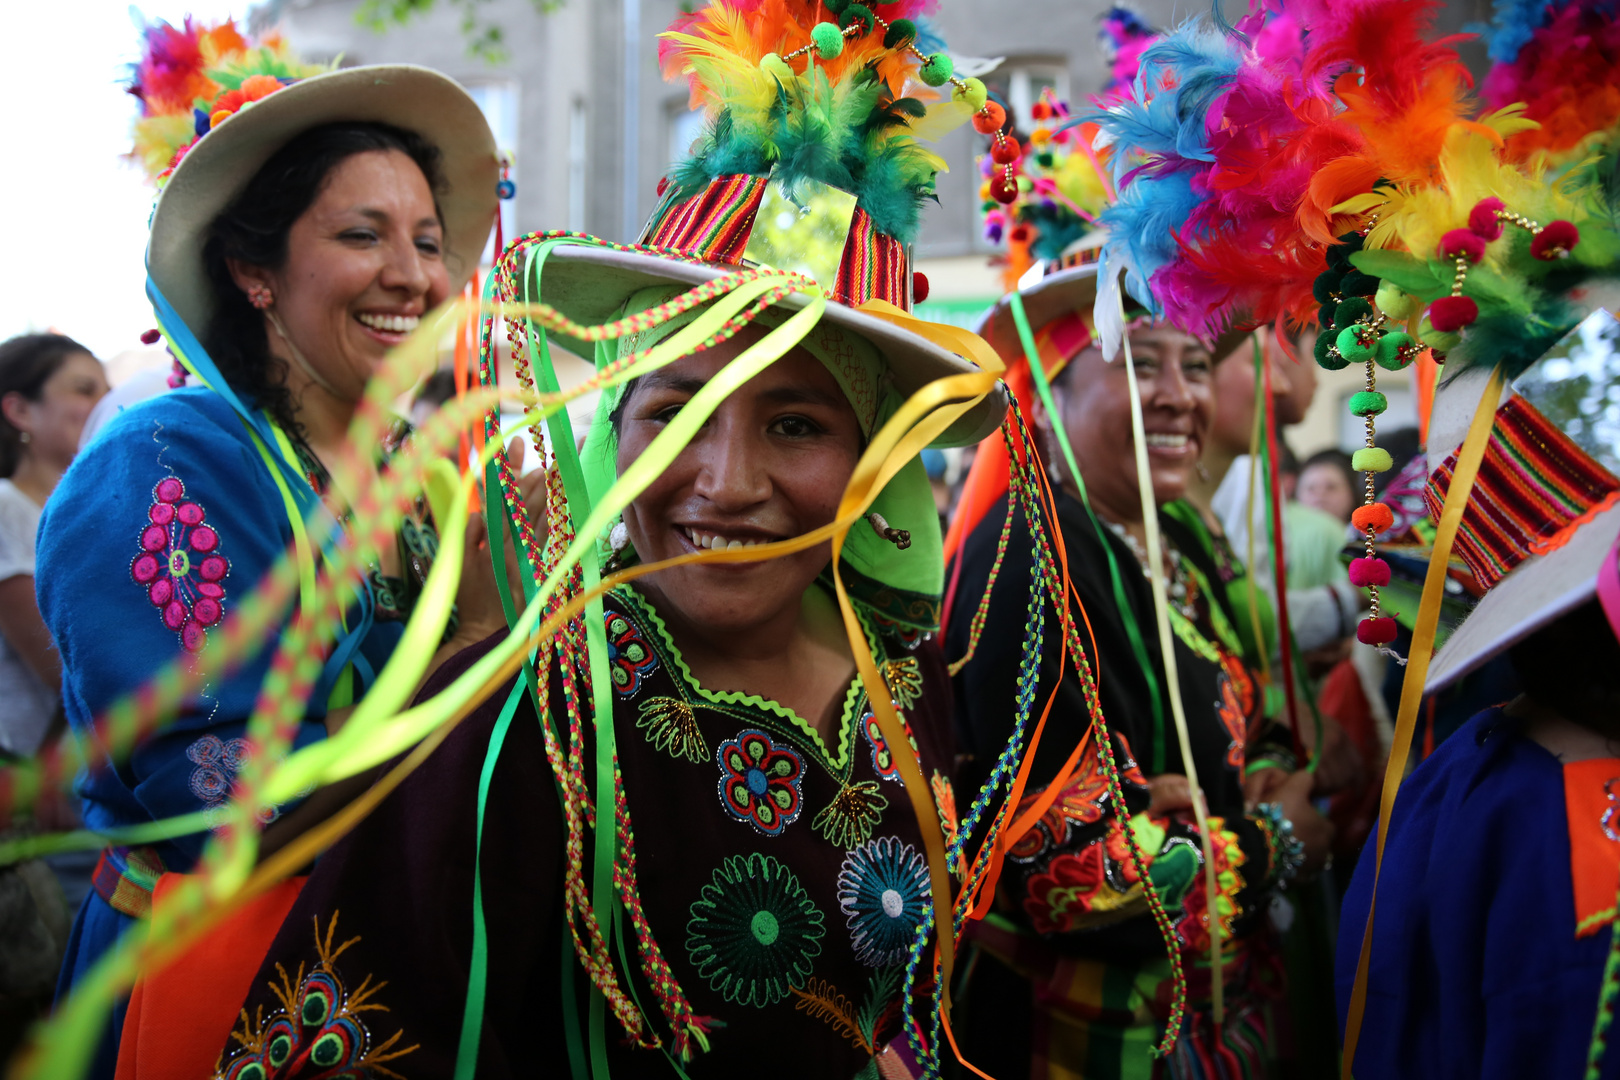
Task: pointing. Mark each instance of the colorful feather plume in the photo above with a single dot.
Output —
(1562, 61)
(852, 121)
(189, 75)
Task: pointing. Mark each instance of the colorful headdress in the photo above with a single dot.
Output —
(1561, 60)
(193, 78)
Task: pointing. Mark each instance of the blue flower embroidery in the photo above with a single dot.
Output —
(883, 890)
(760, 782)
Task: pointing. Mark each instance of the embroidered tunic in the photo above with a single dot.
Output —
(1076, 917)
(782, 877)
(165, 522)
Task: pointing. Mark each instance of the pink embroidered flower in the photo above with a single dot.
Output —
(180, 565)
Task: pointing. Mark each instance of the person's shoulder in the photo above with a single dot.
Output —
(193, 413)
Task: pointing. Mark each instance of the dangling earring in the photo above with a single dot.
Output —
(24, 437)
(618, 543)
(261, 297)
(1203, 473)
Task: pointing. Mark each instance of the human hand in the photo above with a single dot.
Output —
(1170, 792)
(1338, 760)
(1314, 831)
(1261, 785)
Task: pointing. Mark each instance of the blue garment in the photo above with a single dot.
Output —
(116, 623)
(1475, 969)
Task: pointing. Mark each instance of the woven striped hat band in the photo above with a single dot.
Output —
(714, 226)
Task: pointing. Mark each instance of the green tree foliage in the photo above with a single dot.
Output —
(486, 38)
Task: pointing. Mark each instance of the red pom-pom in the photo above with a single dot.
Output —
(1367, 572)
(1040, 111)
(1462, 242)
(1380, 631)
(1555, 240)
(1374, 516)
(990, 119)
(919, 286)
(1019, 234)
(1482, 219)
(1003, 188)
(151, 337)
(1452, 313)
(1005, 151)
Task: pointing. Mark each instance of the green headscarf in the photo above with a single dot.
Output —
(900, 586)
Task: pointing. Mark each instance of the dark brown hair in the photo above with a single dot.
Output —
(27, 363)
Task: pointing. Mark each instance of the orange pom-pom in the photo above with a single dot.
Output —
(257, 87)
(219, 116)
(1375, 516)
(229, 102)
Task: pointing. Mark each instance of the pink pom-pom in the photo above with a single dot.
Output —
(1451, 313)
(1482, 218)
(1380, 631)
(1462, 242)
(151, 337)
(1366, 572)
(1555, 240)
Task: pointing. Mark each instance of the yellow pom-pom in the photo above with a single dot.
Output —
(1040, 136)
(972, 93)
(984, 191)
(773, 64)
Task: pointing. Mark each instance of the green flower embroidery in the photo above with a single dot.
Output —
(754, 931)
(849, 819)
(904, 678)
(671, 726)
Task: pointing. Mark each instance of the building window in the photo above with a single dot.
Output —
(1021, 84)
(576, 166)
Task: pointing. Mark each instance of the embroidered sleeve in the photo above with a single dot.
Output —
(1078, 874)
(180, 565)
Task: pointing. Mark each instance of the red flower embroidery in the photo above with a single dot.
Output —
(1236, 698)
(760, 782)
(180, 565)
(1099, 881)
(1081, 802)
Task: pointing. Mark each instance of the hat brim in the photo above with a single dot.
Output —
(590, 284)
(1063, 293)
(1538, 591)
(220, 165)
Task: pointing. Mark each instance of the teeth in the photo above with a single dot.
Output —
(393, 324)
(1169, 442)
(717, 543)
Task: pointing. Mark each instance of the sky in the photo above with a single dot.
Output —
(75, 211)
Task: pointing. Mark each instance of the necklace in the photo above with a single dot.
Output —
(1179, 589)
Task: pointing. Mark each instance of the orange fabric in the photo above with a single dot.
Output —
(1592, 798)
(180, 1018)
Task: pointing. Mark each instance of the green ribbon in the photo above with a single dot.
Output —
(1138, 647)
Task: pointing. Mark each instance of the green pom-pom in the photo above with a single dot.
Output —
(829, 40)
(773, 64)
(857, 13)
(836, 7)
(1324, 315)
(1368, 403)
(1326, 358)
(1045, 159)
(1393, 301)
(1326, 286)
(903, 32)
(1355, 283)
(1390, 348)
(971, 93)
(1351, 311)
(1025, 184)
(1441, 341)
(1354, 345)
(936, 70)
(1371, 459)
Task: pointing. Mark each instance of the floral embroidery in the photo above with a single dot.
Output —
(904, 680)
(218, 761)
(671, 726)
(1098, 885)
(180, 565)
(1081, 803)
(317, 1031)
(945, 803)
(883, 891)
(883, 762)
(1234, 701)
(1193, 926)
(631, 657)
(760, 781)
(754, 931)
(852, 815)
